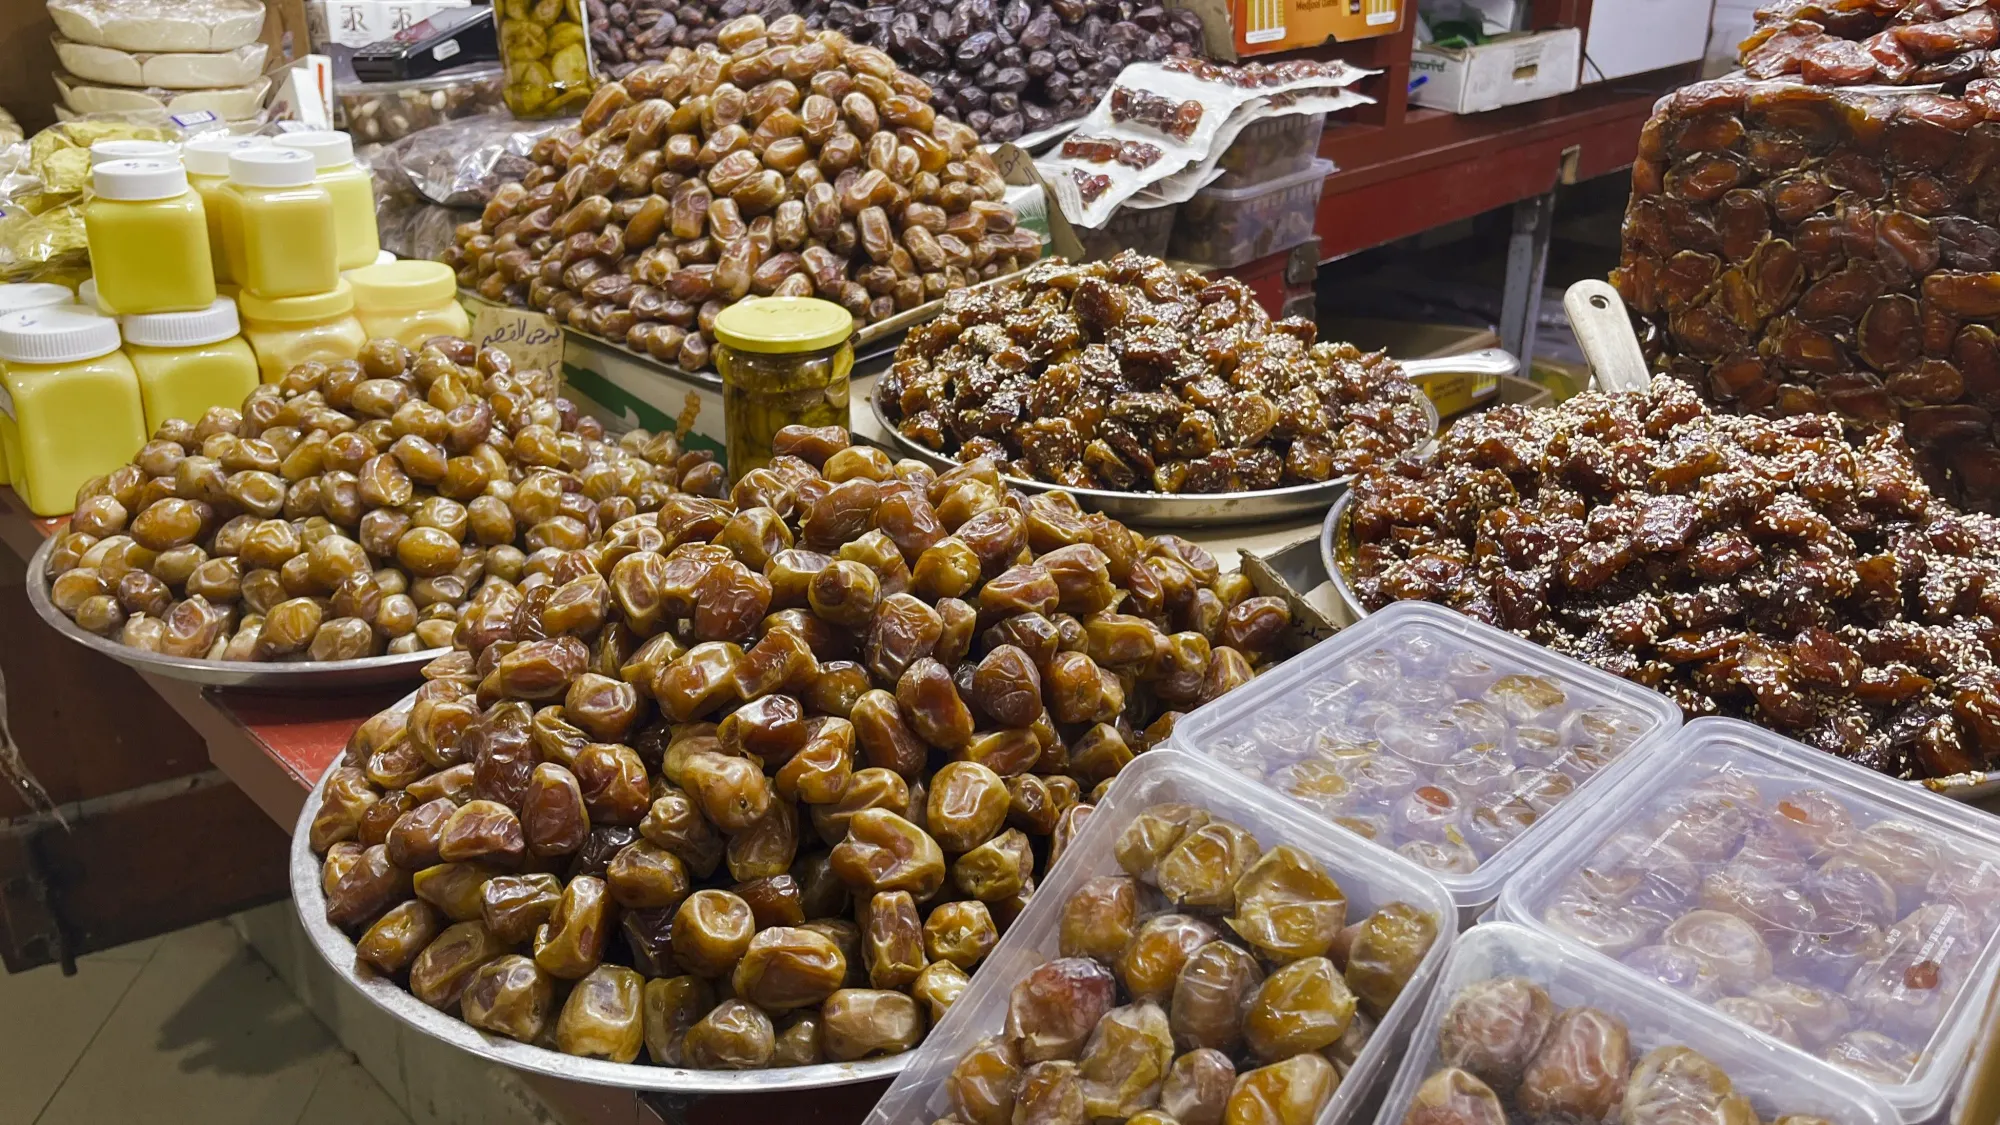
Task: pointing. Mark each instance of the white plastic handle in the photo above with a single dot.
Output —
(1604, 330)
(1485, 361)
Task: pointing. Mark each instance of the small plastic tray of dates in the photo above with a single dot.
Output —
(1199, 945)
(1271, 148)
(1221, 228)
(1801, 895)
(1454, 744)
(1522, 1028)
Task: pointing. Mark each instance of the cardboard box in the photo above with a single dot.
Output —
(1634, 36)
(1237, 29)
(1508, 70)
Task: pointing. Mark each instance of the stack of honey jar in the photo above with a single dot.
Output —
(215, 264)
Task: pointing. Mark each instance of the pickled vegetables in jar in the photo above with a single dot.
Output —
(784, 362)
(547, 55)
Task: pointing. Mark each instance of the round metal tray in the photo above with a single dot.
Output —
(1976, 786)
(386, 994)
(1168, 509)
(325, 677)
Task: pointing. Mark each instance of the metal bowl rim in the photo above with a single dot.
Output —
(304, 676)
(338, 951)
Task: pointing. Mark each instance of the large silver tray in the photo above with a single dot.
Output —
(386, 994)
(1171, 509)
(327, 677)
(1975, 786)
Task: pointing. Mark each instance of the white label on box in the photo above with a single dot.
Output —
(1377, 19)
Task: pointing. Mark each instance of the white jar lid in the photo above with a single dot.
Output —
(56, 334)
(215, 323)
(133, 180)
(209, 156)
(104, 152)
(270, 166)
(34, 295)
(86, 295)
(330, 148)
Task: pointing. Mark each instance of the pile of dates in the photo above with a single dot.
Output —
(1214, 980)
(1891, 43)
(1795, 249)
(352, 508)
(1012, 67)
(757, 782)
(784, 162)
(628, 33)
(1778, 571)
(1510, 1054)
(1131, 375)
(1792, 910)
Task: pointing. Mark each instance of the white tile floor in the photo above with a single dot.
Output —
(190, 1027)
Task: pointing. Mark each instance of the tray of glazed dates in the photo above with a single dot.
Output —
(1204, 954)
(1523, 1029)
(1101, 380)
(1459, 746)
(1792, 572)
(1794, 894)
(749, 787)
(329, 533)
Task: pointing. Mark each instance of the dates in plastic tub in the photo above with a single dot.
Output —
(1796, 894)
(1225, 227)
(1452, 743)
(1523, 1029)
(1143, 979)
(1269, 149)
(1141, 229)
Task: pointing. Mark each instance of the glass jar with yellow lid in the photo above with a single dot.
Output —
(784, 361)
(288, 331)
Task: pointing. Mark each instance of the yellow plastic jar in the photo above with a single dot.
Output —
(148, 239)
(70, 407)
(785, 361)
(293, 330)
(408, 302)
(28, 295)
(351, 189)
(188, 362)
(288, 246)
(207, 163)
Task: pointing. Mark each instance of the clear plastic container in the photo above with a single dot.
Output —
(1777, 1081)
(1369, 879)
(1860, 911)
(1270, 149)
(1146, 230)
(1225, 227)
(1462, 748)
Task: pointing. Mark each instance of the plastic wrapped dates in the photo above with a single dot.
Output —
(778, 161)
(1152, 1015)
(383, 504)
(800, 840)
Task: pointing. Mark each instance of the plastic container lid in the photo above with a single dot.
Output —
(384, 257)
(783, 325)
(34, 295)
(56, 334)
(1370, 880)
(1318, 169)
(1451, 741)
(270, 166)
(1776, 1081)
(403, 285)
(335, 302)
(134, 180)
(215, 323)
(103, 152)
(1865, 908)
(86, 294)
(330, 148)
(209, 156)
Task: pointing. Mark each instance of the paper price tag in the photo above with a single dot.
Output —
(531, 339)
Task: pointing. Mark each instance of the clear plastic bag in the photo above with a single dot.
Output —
(380, 112)
(460, 163)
